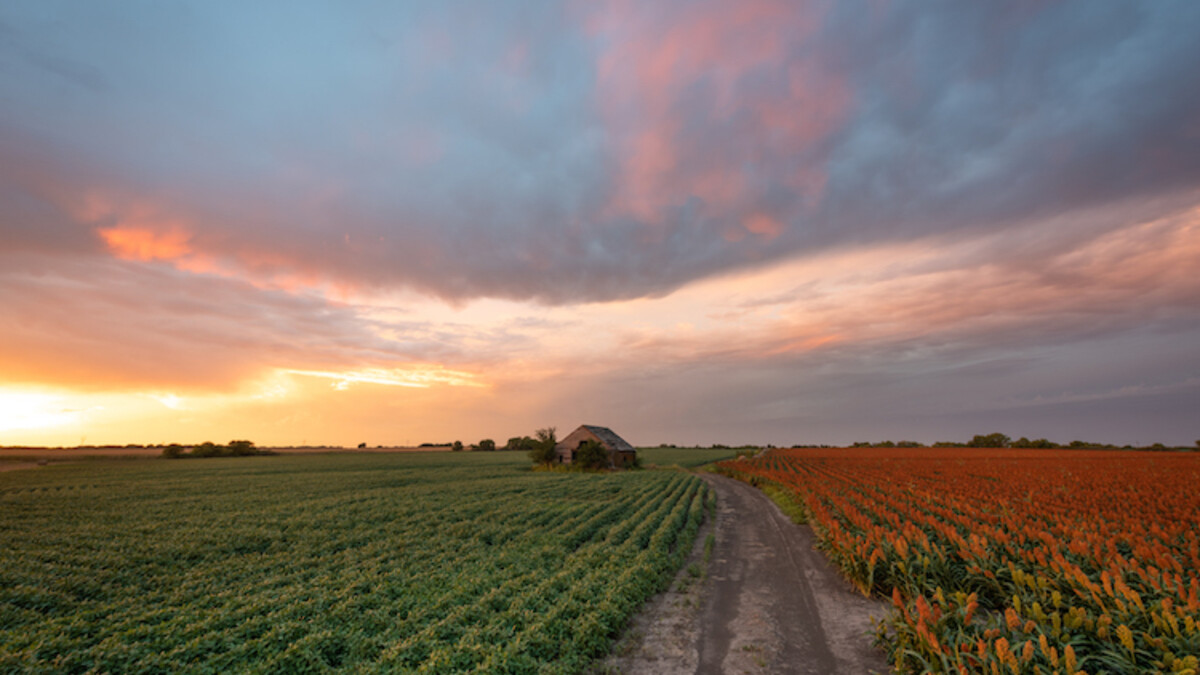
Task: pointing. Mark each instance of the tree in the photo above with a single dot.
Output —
(591, 455)
(520, 443)
(173, 451)
(242, 448)
(996, 440)
(457, 447)
(487, 445)
(542, 451)
(208, 449)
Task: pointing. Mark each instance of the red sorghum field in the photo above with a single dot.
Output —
(1011, 561)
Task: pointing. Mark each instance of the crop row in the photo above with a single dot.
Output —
(350, 563)
(1011, 561)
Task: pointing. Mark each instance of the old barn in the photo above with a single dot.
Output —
(620, 453)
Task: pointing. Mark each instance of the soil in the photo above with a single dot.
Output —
(17, 466)
(15, 458)
(766, 602)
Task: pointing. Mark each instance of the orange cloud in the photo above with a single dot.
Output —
(137, 243)
(145, 230)
(418, 376)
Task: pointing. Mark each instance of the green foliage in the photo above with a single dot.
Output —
(1023, 442)
(355, 563)
(457, 446)
(682, 457)
(208, 449)
(590, 455)
(996, 440)
(487, 445)
(521, 443)
(542, 451)
(242, 448)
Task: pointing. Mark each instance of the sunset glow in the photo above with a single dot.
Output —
(24, 410)
(700, 222)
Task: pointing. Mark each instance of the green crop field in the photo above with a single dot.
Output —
(684, 457)
(362, 563)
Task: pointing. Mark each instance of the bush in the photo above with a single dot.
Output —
(457, 446)
(208, 449)
(487, 445)
(524, 443)
(996, 440)
(591, 455)
(1023, 442)
(242, 448)
(542, 451)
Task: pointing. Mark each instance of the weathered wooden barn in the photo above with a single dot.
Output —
(620, 453)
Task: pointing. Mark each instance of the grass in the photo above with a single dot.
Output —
(788, 502)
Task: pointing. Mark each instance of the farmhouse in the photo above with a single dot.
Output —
(620, 453)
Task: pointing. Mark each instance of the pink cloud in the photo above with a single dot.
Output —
(670, 151)
(763, 224)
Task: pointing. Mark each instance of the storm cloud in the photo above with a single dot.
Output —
(576, 152)
(726, 221)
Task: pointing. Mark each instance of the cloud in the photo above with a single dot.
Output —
(118, 326)
(580, 152)
(834, 209)
(920, 340)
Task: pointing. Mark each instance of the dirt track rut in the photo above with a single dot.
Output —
(773, 603)
(768, 603)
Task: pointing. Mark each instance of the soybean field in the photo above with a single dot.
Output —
(429, 563)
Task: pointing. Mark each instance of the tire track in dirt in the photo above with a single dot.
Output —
(774, 603)
(770, 603)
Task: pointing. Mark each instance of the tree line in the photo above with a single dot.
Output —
(999, 440)
(210, 449)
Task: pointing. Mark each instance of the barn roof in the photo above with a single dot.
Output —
(610, 438)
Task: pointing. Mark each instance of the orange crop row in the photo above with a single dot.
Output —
(1011, 561)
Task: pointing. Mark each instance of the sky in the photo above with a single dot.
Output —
(695, 222)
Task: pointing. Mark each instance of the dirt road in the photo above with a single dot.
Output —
(774, 603)
(769, 603)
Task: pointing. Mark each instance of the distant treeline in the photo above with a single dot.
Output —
(998, 440)
(516, 443)
(127, 446)
(210, 449)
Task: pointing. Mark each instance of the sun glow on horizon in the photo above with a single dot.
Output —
(415, 377)
(23, 410)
